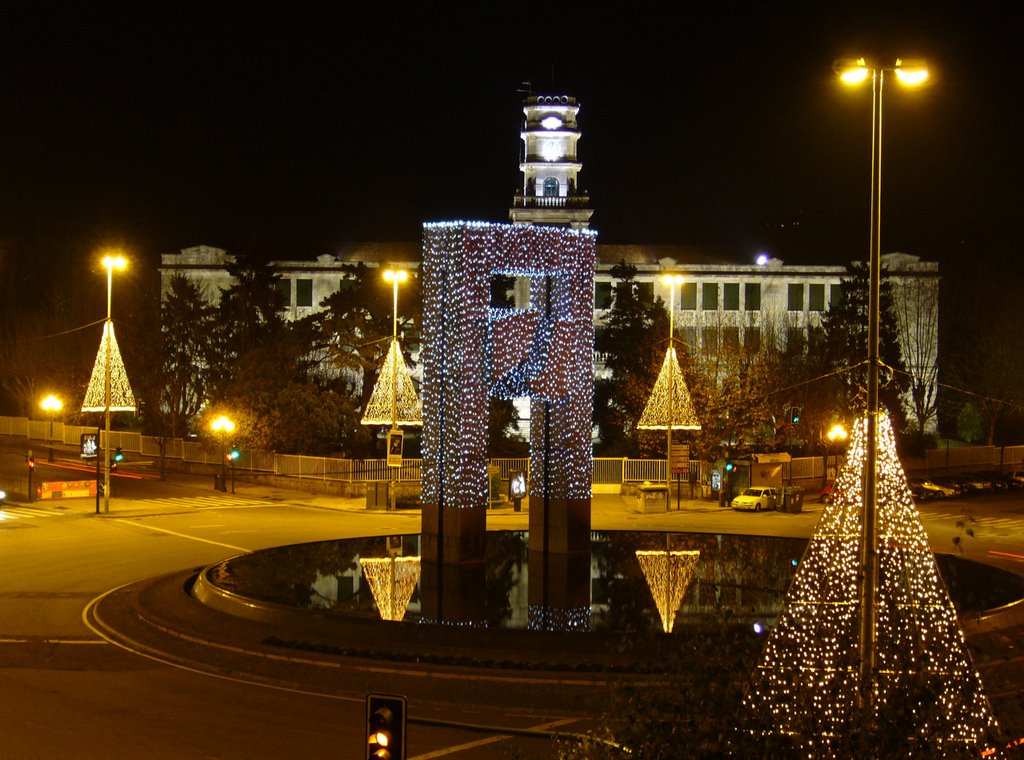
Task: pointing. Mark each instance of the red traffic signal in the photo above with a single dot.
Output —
(31, 463)
(385, 727)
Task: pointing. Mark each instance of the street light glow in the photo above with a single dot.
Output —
(114, 262)
(222, 425)
(911, 73)
(396, 275)
(837, 433)
(672, 279)
(51, 404)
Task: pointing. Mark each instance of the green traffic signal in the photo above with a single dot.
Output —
(118, 456)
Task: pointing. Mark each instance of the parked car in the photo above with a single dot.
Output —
(948, 481)
(930, 488)
(1018, 477)
(756, 498)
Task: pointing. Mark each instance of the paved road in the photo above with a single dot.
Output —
(65, 692)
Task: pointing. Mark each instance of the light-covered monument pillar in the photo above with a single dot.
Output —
(471, 351)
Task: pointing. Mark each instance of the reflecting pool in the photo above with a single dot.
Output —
(629, 582)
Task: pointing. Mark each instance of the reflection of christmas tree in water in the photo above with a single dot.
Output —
(392, 581)
(668, 576)
(807, 684)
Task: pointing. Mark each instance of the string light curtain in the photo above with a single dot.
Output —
(379, 411)
(808, 680)
(121, 397)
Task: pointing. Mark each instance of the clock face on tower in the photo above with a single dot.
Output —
(551, 122)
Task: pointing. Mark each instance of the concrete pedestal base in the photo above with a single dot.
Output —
(564, 529)
(462, 539)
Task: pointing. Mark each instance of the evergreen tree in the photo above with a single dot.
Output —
(633, 340)
(845, 345)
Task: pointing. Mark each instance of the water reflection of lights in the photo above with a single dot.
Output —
(668, 575)
(392, 581)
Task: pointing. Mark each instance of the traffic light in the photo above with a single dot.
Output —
(794, 415)
(385, 727)
(118, 456)
(729, 466)
(234, 454)
(31, 463)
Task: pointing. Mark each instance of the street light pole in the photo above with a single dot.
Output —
(223, 427)
(394, 276)
(111, 263)
(51, 404)
(853, 73)
(672, 280)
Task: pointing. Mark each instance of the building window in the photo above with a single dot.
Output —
(688, 296)
(284, 287)
(689, 336)
(752, 339)
(731, 296)
(796, 297)
(709, 296)
(816, 297)
(752, 296)
(835, 295)
(550, 187)
(709, 338)
(731, 339)
(645, 292)
(602, 295)
(303, 292)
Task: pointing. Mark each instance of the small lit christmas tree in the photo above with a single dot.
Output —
(668, 575)
(669, 399)
(121, 397)
(392, 581)
(394, 394)
(808, 683)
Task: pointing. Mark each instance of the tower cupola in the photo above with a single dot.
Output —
(550, 166)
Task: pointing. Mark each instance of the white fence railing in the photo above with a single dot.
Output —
(606, 471)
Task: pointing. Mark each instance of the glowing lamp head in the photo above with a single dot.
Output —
(112, 262)
(396, 275)
(911, 73)
(222, 425)
(51, 404)
(837, 433)
(852, 72)
(672, 279)
(762, 259)
(758, 627)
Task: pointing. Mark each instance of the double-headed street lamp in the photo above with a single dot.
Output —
(835, 434)
(51, 405)
(394, 276)
(671, 280)
(110, 263)
(223, 427)
(852, 73)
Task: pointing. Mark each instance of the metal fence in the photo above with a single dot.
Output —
(606, 471)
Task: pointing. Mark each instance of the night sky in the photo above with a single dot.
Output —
(291, 128)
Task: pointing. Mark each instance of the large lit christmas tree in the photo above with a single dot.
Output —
(121, 397)
(669, 404)
(808, 684)
(394, 397)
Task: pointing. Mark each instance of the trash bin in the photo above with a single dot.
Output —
(793, 500)
(650, 498)
(377, 494)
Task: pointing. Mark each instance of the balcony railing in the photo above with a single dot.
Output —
(551, 201)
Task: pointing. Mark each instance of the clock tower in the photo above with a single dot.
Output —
(550, 194)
